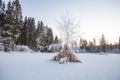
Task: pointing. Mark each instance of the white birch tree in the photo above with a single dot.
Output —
(69, 28)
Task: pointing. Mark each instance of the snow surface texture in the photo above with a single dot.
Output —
(38, 66)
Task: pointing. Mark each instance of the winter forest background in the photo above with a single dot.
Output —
(17, 31)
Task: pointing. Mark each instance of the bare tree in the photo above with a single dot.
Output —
(69, 28)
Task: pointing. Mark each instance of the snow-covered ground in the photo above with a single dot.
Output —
(38, 66)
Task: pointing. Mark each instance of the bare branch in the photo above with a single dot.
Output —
(68, 28)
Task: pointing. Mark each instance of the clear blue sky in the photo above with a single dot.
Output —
(96, 16)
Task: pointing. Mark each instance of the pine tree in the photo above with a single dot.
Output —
(56, 40)
(49, 36)
(94, 42)
(90, 46)
(43, 36)
(2, 7)
(17, 12)
(9, 31)
(2, 15)
(18, 17)
(103, 43)
(119, 43)
(30, 29)
(83, 43)
(23, 37)
(111, 46)
(40, 35)
(0, 4)
(10, 22)
(2, 22)
(40, 29)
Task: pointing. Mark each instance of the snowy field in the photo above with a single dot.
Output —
(38, 66)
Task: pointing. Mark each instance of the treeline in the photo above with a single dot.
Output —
(16, 31)
(102, 46)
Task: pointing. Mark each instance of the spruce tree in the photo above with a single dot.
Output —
(0, 3)
(40, 34)
(94, 42)
(2, 7)
(40, 29)
(17, 12)
(2, 15)
(119, 43)
(9, 30)
(56, 40)
(49, 36)
(30, 29)
(18, 17)
(23, 37)
(32, 33)
(43, 35)
(103, 43)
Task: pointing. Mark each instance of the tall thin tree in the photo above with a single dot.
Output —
(69, 28)
(103, 43)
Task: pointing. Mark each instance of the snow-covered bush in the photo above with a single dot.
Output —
(42, 48)
(54, 48)
(9, 44)
(81, 51)
(63, 60)
(23, 48)
(116, 50)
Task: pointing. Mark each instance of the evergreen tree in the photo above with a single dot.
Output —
(17, 12)
(49, 36)
(2, 7)
(74, 45)
(9, 31)
(30, 29)
(39, 34)
(23, 37)
(56, 40)
(94, 42)
(18, 17)
(2, 15)
(111, 46)
(15, 31)
(27, 32)
(0, 4)
(83, 43)
(40, 29)
(119, 43)
(90, 47)
(103, 43)
(11, 22)
(43, 36)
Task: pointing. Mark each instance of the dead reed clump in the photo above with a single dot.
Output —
(66, 55)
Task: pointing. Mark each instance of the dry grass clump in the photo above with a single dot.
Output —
(66, 55)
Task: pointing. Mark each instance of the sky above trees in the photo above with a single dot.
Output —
(96, 16)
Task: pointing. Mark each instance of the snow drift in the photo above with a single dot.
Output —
(38, 66)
